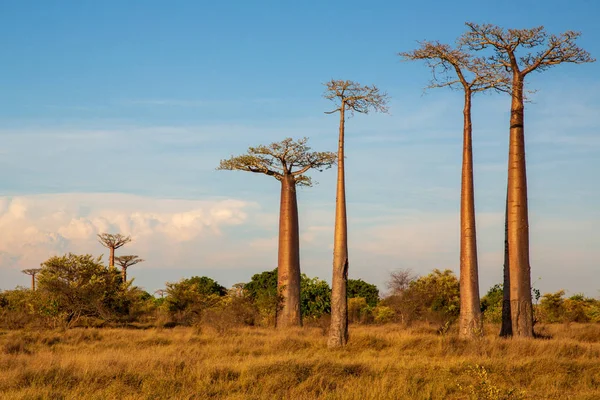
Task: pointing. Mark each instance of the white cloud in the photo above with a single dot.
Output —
(34, 227)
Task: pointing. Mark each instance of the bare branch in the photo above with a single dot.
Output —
(127, 261)
(505, 43)
(113, 241)
(31, 271)
(454, 67)
(352, 96)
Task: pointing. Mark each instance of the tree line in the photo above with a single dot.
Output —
(484, 58)
(80, 291)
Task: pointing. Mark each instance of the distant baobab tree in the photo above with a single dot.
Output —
(352, 97)
(125, 262)
(113, 242)
(287, 161)
(457, 68)
(160, 292)
(33, 272)
(541, 51)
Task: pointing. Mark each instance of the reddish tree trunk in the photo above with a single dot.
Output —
(338, 331)
(470, 313)
(518, 220)
(288, 266)
(111, 257)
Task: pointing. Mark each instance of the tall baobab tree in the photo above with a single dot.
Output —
(287, 161)
(32, 272)
(541, 51)
(352, 97)
(125, 262)
(457, 68)
(113, 242)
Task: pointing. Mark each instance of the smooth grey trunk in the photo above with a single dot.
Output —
(338, 331)
(470, 323)
(288, 265)
(518, 219)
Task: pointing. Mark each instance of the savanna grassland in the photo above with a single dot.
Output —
(380, 362)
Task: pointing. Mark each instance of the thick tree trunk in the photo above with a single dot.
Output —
(111, 258)
(124, 274)
(506, 329)
(470, 323)
(518, 220)
(33, 282)
(288, 266)
(338, 331)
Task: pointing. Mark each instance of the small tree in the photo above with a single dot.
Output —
(553, 50)
(113, 242)
(81, 286)
(32, 272)
(360, 288)
(189, 298)
(125, 262)
(287, 161)
(456, 68)
(352, 97)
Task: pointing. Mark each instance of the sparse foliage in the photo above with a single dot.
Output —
(113, 242)
(288, 157)
(125, 262)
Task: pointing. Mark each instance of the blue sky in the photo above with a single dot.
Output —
(113, 116)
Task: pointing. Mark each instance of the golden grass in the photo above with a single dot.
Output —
(380, 362)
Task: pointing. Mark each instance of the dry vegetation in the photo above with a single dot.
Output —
(380, 362)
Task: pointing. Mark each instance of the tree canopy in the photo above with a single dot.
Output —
(278, 159)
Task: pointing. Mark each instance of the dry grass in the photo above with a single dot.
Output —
(380, 362)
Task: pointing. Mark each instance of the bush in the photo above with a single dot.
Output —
(359, 312)
(434, 298)
(383, 314)
(491, 304)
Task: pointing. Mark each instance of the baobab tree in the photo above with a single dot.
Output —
(352, 97)
(125, 262)
(457, 68)
(113, 242)
(541, 51)
(32, 272)
(287, 161)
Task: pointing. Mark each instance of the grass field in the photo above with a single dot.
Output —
(380, 362)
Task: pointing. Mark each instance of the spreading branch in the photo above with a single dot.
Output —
(113, 241)
(127, 261)
(556, 49)
(456, 68)
(354, 97)
(278, 159)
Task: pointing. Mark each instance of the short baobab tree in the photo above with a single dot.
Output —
(348, 96)
(457, 68)
(287, 161)
(32, 272)
(125, 262)
(520, 52)
(113, 242)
